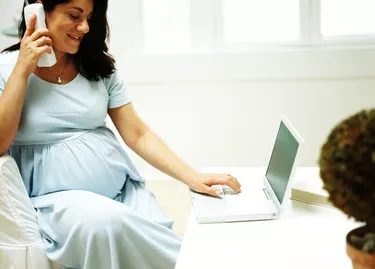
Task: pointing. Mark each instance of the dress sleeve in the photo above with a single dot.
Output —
(7, 63)
(2, 83)
(117, 90)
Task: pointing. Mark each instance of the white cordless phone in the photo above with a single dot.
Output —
(46, 59)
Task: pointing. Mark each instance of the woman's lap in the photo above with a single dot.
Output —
(73, 223)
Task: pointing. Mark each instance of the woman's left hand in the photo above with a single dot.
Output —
(203, 183)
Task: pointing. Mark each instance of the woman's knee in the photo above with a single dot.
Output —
(104, 222)
(83, 212)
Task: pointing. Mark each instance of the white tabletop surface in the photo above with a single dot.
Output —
(306, 236)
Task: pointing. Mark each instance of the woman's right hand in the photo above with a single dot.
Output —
(33, 45)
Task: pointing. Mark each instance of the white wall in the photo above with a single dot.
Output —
(234, 123)
(223, 109)
(8, 10)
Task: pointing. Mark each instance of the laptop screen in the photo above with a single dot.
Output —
(282, 159)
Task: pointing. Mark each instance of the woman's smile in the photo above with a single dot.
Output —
(75, 38)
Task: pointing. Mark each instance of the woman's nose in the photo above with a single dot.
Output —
(83, 27)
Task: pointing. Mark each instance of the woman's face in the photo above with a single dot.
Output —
(68, 23)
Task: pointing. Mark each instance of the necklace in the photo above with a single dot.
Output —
(59, 77)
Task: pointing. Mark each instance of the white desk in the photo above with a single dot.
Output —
(306, 236)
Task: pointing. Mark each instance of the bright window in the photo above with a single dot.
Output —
(166, 24)
(265, 20)
(184, 25)
(347, 17)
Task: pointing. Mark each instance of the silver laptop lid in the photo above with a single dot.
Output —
(282, 161)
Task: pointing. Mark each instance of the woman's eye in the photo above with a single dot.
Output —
(73, 17)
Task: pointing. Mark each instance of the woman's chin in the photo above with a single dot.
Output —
(66, 50)
(72, 50)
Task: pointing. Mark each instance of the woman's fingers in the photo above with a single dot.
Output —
(33, 44)
(30, 26)
(228, 180)
(32, 33)
(44, 40)
(44, 49)
(40, 33)
(213, 191)
(206, 189)
(208, 180)
(235, 181)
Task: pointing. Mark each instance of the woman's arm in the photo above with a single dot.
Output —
(33, 44)
(148, 145)
(11, 102)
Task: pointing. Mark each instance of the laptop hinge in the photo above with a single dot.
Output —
(265, 193)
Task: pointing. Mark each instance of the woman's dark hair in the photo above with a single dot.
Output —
(92, 59)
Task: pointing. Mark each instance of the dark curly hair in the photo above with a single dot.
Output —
(347, 166)
(92, 59)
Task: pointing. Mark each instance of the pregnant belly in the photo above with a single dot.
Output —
(87, 163)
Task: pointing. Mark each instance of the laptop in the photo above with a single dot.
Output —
(262, 197)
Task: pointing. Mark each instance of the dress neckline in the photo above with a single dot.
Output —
(57, 84)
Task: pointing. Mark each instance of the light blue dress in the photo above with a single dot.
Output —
(93, 209)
